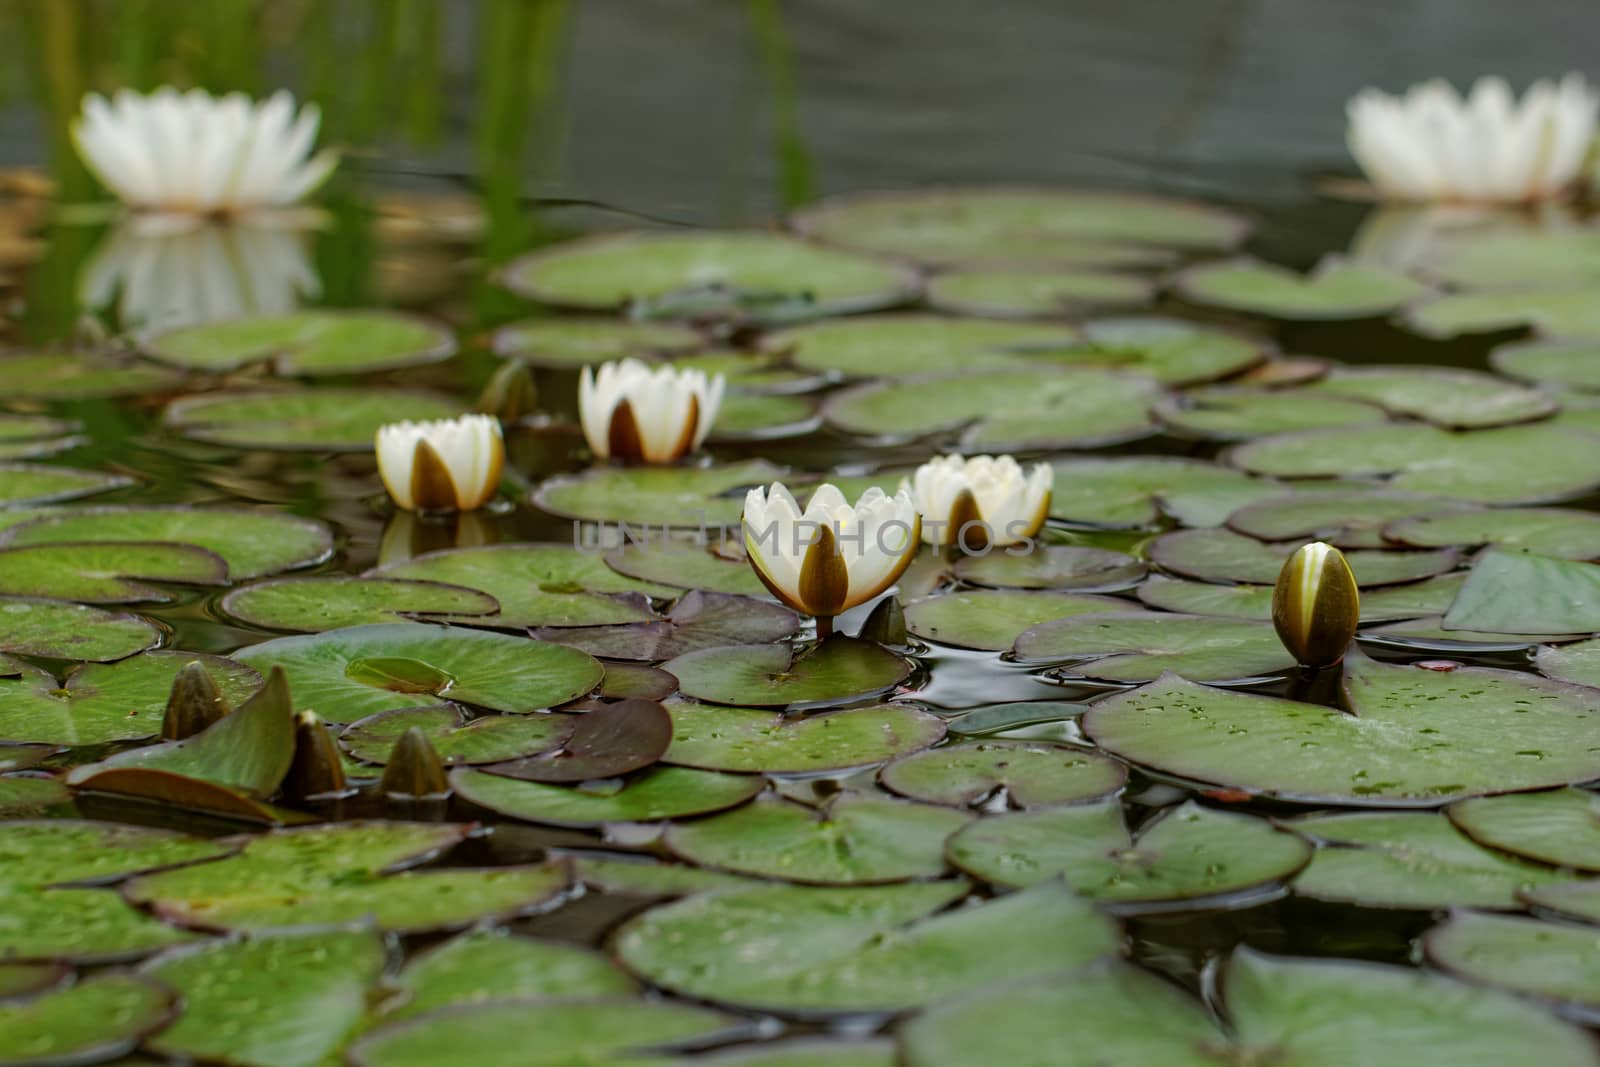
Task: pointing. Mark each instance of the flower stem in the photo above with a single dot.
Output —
(824, 627)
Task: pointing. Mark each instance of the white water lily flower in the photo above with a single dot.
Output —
(444, 465)
(196, 154)
(634, 412)
(1431, 144)
(830, 557)
(979, 502)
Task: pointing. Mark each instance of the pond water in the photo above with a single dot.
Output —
(1068, 805)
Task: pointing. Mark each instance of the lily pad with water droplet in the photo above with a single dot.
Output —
(1228, 412)
(307, 994)
(254, 543)
(52, 375)
(1416, 860)
(1172, 351)
(1564, 364)
(536, 585)
(100, 1018)
(487, 739)
(312, 342)
(1219, 555)
(1027, 294)
(1140, 646)
(900, 346)
(327, 602)
(338, 874)
(1562, 532)
(1012, 226)
(1029, 408)
(1052, 567)
(1557, 312)
(688, 497)
(1521, 593)
(802, 950)
(483, 965)
(101, 703)
(1183, 856)
(833, 671)
(697, 621)
(656, 793)
(571, 342)
(615, 270)
(302, 420)
(1346, 519)
(991, 619)
(715, 567)
(1414, 737)
(59, 630)
(1560, 826)
(1453, 399)
(1128, 491)
(856, 839)
(755, 740)
(1333, 290)
(1018, 774)
(1550, 962)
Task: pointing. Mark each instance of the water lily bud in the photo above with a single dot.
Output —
(194, 703)
(633, 413)
(445, 465)
(317, 770)
(832, 556)
(195, 154)
(985, 501)
(414, 768)
(1315, 605)
(509, 394)
(1431, 144)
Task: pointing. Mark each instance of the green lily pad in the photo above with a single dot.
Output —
(1552, 962)
(1231, 413)
(1027, 294)
(1128, 491)
(807, 1052)
(1413, 737)
(1218, 555)
(306, 343)
(1052, 567)
(1409, 859)
(802, 950)
(308, 994)
(1453, 399)
(302, 420)
(1333, 290)
(41, 448)
(572, 342)
(487, 739)
(1346, 519)
(693, 497)
(100, 1018)
(1560, 826)
(713, 567)
(536, 585)
(1429, 633)
(1186, 855)
(752, 372)
(488, 670)
(486, 965)
(27, 484)
(755, 740)
(1019, 225)
(20, 757)
(1028, 408)
(54, 852)
(53, 375)
(625, 681)
(899, 346)
(1013, 774)
(640, 877)
(1565, 364)
(1525, 257)
(1141, 646)
(764, 417)
(23, 795)
(856, 839)
(1522, 593)
(102, 573)
(59, 630)
(337, 874)
(836, 670)
(542, 1032)
(697, 621)
(1557, 312)
(614, 270)
(1562, 532)
(1579, 663)
(1571, 900)
(327, 602)
(88, 926)
(993, 719)
(991, 619)
(1172, 351)
(100, 703)
(1503, 465)
(606, 742)
(657, 793)
(23, 979)
(254, 543)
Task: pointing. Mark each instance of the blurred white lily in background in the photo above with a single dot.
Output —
(192, 154)
(634, 412)
(217, 271)
(1431, 144)
(980, 502)
(832, 556)
(443, 465)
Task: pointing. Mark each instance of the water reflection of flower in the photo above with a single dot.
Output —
(161, 276)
